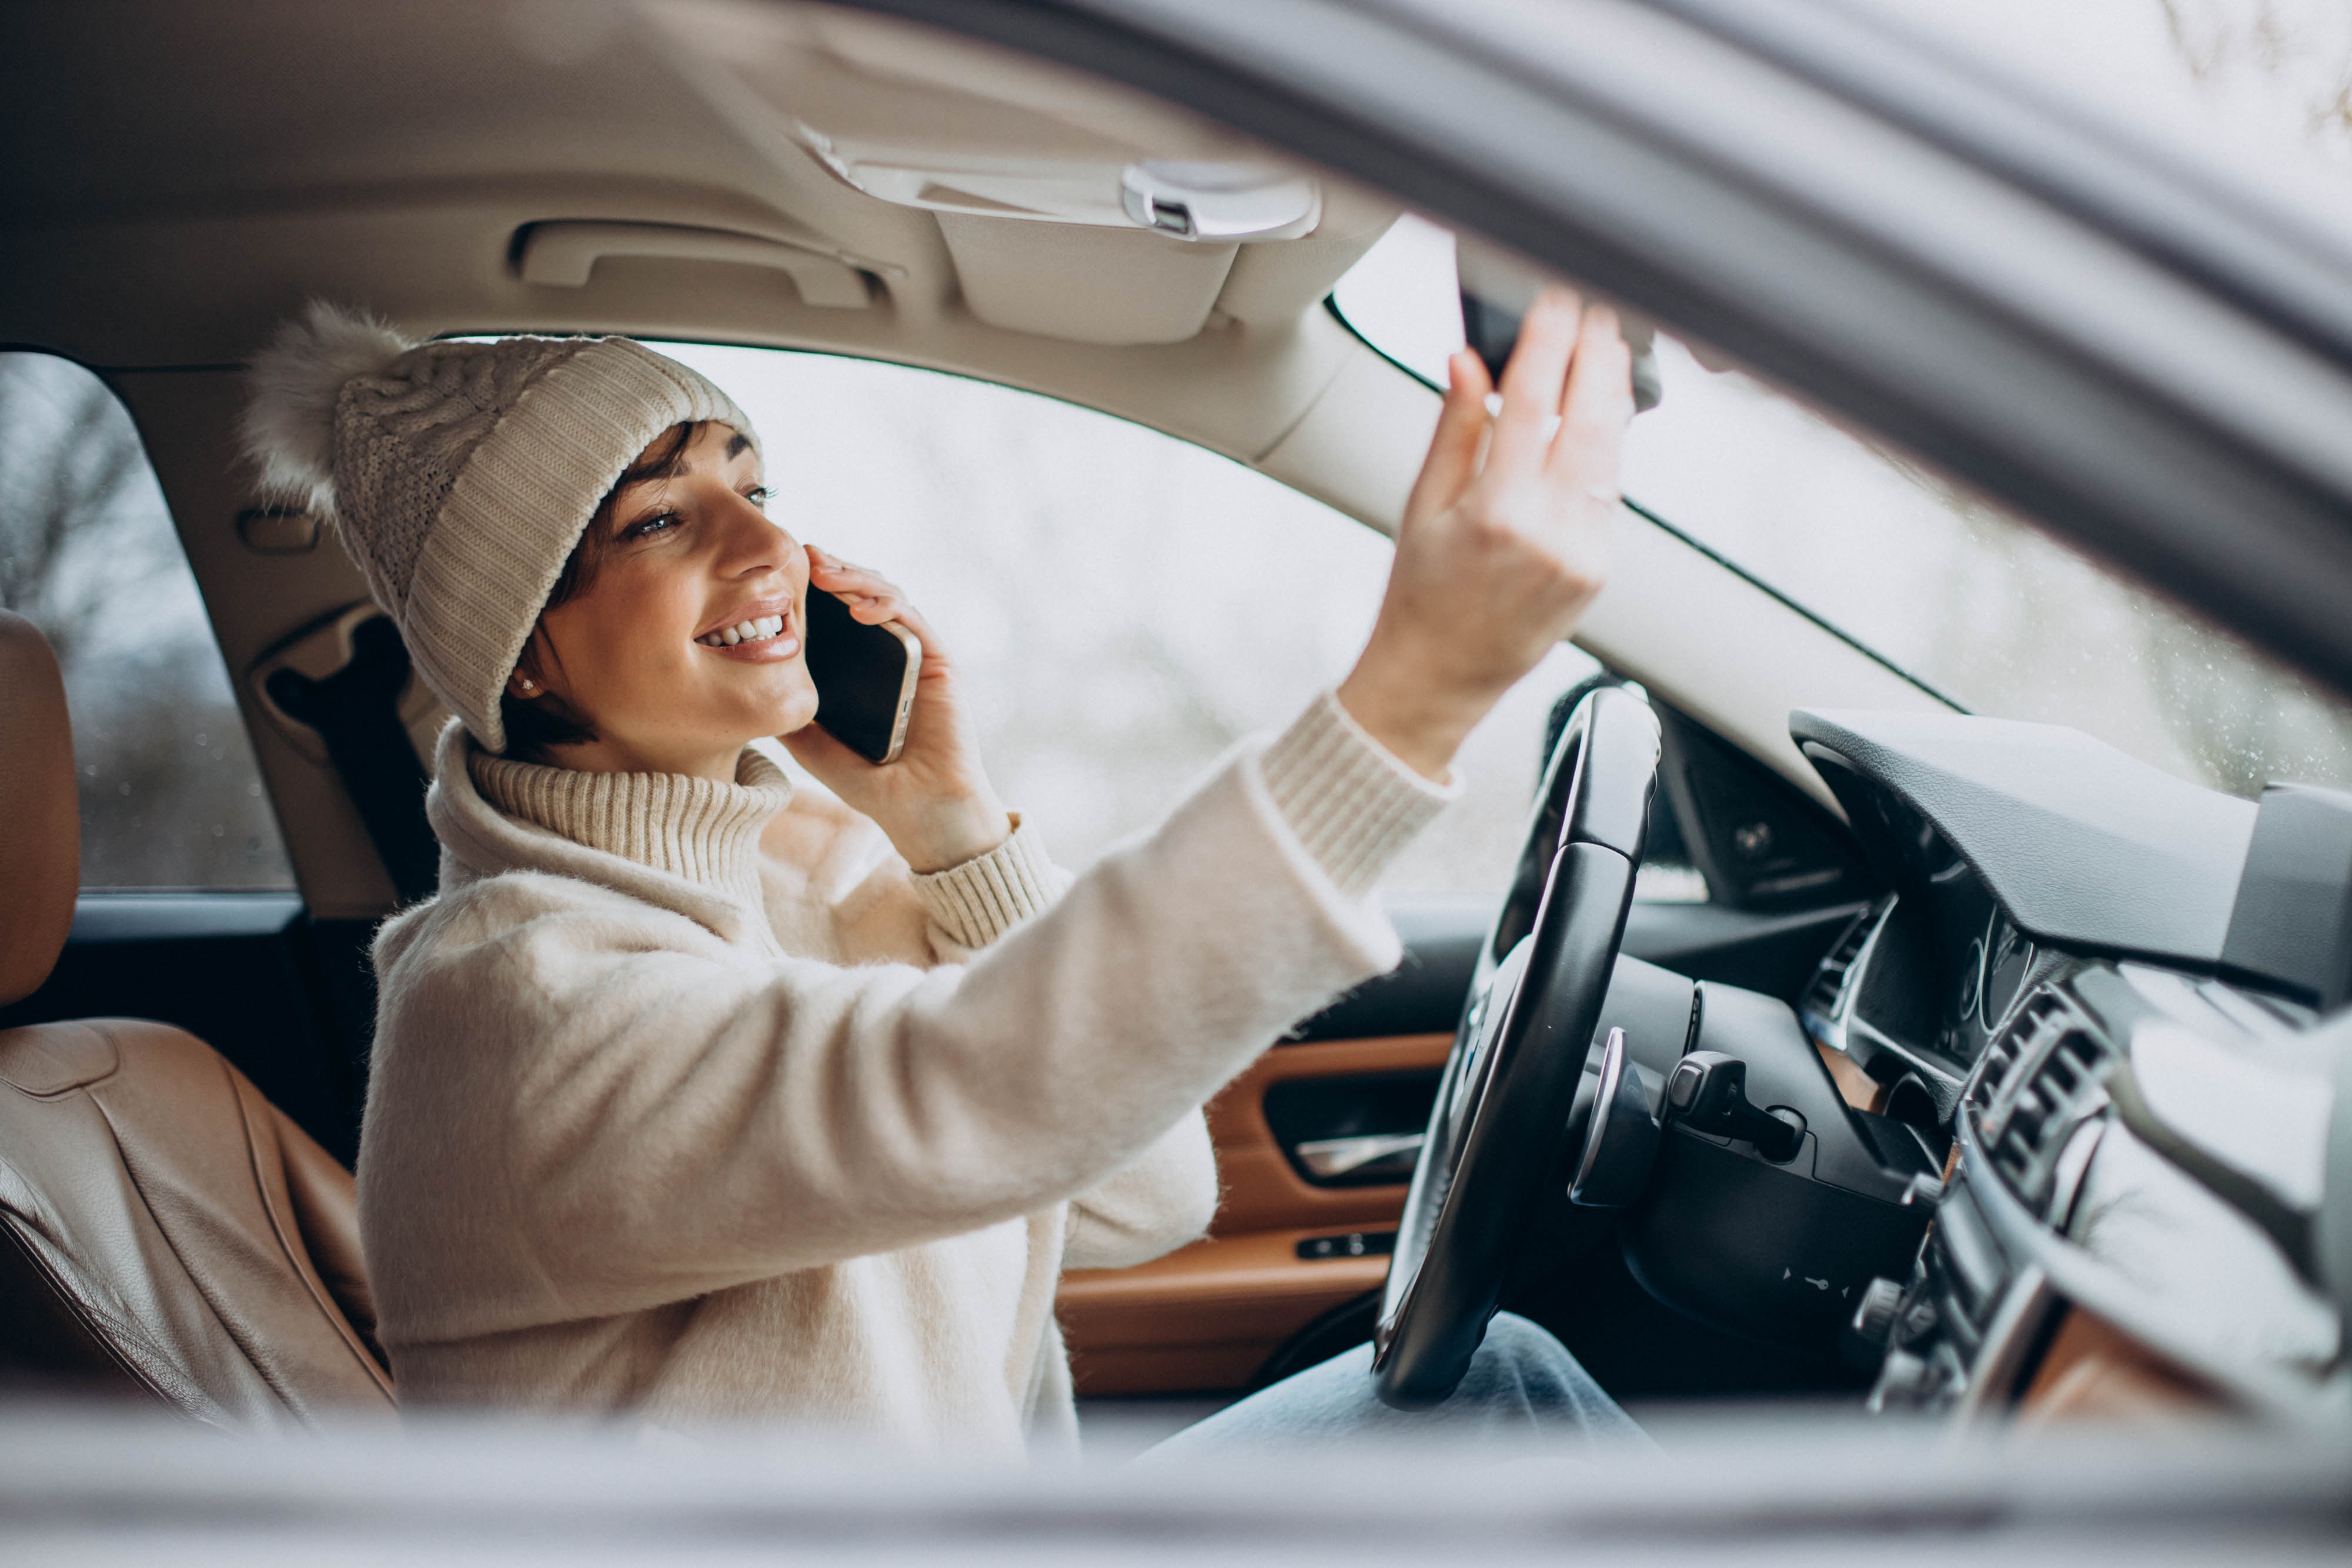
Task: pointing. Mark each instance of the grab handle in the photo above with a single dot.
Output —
(562, 255)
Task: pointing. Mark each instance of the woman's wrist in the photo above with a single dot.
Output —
(945, 835)
(1418, 724)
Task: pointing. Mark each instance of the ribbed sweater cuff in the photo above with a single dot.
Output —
(1353, 806)
(981, 900)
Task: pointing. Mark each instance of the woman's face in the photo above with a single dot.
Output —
(643, 653)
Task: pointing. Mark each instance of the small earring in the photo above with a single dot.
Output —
(527, 684)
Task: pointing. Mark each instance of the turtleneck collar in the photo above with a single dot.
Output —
(695, 828)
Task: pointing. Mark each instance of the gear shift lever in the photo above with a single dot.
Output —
(1708, 1092)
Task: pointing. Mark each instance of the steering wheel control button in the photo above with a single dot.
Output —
(1682, 1089)
(1621, 1141)
(1709, 1093)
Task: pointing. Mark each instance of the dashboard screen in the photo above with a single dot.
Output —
(1946, 969)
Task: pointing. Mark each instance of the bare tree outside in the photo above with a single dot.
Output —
(2293, 57)
(170, 794)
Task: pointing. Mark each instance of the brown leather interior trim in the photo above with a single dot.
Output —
(1208, 1316)
(1857, 1088)
(1204, 1317)
(1261, 1192)
(2093, 1371)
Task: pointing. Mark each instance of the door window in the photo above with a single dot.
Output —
(171, 797)
(1127, 605)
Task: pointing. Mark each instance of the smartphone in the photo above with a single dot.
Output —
(864, 677)
(1496, 293)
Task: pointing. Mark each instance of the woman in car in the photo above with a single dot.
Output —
(698, 1096)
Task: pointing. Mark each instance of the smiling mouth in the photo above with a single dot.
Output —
(759, 629)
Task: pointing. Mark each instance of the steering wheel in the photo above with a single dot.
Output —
(1504, 1114)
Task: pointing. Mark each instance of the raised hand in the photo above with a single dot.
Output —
(1506, 535)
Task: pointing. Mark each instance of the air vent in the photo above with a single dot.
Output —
(1824, 1004)
(2043, 1078)
(2001, 1053)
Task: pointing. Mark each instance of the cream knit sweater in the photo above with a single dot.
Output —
(690, 1102)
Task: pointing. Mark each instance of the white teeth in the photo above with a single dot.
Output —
(750, 631)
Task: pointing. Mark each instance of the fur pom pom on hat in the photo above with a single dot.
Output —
(289, 426)
(459, 475)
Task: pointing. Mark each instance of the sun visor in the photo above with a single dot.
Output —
(1070, 207)
(1088, 285)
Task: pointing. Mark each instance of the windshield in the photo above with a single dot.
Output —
(1961, 595)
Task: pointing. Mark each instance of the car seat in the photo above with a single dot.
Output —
(166, 1233)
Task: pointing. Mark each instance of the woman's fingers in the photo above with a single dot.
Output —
(1534, 383)
(836, 576)
(1453, 460)
(935, 659)
(872, 598)
(1599, 403)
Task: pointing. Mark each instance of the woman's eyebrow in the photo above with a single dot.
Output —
(678, 464)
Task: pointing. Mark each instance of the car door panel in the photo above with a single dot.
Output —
(1208, 1316)
(1204, 1318)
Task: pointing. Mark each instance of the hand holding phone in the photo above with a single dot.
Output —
(892, 736)
(864, 677)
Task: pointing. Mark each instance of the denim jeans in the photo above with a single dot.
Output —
(1524, 1391)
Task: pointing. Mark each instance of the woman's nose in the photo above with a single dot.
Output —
(756, 542)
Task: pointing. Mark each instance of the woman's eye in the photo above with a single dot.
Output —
(660, 522)
(759, 495)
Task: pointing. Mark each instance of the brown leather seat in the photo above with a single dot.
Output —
(165, 1232)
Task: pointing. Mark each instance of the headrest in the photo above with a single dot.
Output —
(40, 825)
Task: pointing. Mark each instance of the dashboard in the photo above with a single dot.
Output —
(2008, 1045)
(2009, 1055)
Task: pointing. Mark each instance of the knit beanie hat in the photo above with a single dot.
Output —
(461, 476)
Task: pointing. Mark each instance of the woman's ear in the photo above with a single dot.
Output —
(526, 684)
